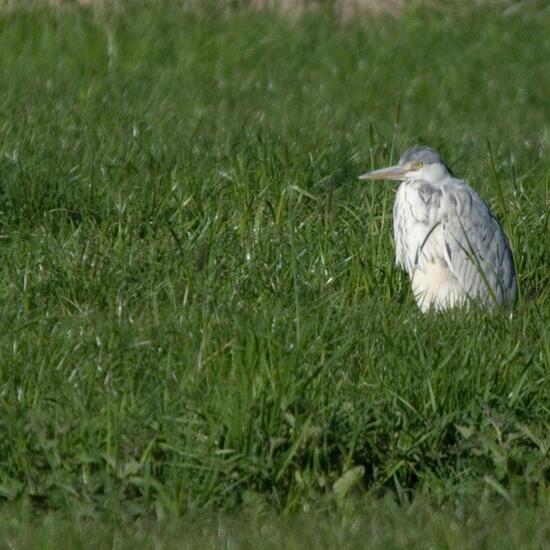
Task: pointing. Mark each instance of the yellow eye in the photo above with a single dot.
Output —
(418, 165)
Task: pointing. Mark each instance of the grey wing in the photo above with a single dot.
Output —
(476, 248)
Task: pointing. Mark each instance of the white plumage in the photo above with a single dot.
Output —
(446, 238)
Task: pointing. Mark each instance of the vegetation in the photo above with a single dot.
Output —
(202, 324)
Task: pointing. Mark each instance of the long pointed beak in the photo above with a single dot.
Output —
(392, 173)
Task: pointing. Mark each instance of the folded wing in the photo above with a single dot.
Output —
(475, 246)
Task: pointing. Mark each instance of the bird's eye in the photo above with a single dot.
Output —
(418, 165)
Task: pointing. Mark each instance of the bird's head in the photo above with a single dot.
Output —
(418, 163)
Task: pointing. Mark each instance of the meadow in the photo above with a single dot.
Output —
(204, 339)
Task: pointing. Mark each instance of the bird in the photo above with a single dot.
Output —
(446, 237)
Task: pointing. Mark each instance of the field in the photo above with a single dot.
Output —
(204, 339)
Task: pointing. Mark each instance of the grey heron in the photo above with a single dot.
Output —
(446, 237)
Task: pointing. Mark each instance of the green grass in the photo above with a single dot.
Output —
(381, 525)
(200, 312)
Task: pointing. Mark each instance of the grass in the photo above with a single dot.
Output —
(200, 314)
(381, 525)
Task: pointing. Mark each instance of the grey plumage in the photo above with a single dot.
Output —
(427, 155)
(446, 237)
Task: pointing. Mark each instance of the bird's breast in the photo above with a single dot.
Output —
(417, 218)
